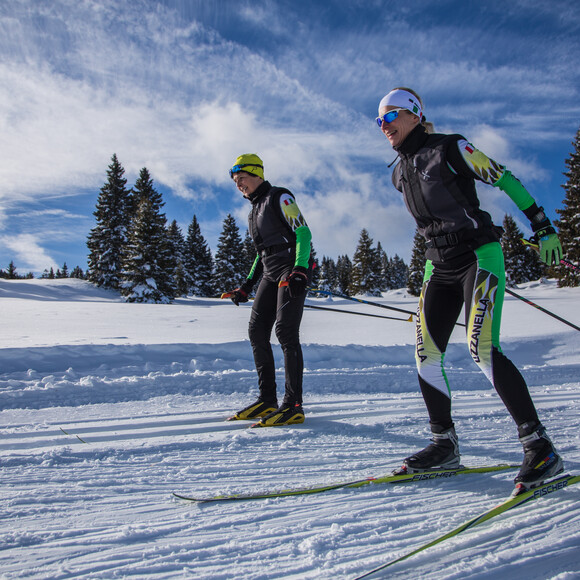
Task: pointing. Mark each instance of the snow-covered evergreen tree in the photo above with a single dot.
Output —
(385, 268)
(176, 243)
(315, 269)
(416, 270)
(77, 272)
(343, 274)
(229, 257)
(107, 240)
(569, 223)
(522, 264)
(366, 267)
(327, 279)
(198, 261)
(148, 265)
(399, 272)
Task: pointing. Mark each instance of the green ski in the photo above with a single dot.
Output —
(405, 478)
(512, 502)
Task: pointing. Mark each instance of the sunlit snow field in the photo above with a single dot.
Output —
(107, 407)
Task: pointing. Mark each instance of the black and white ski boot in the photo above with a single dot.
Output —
(441, 453)
(541, 460)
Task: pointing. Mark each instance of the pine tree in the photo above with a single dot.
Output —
(176, 243)
(107, 240)
(11, 273)
(249, 251)
(385, 268)
(148, 265)
(62, 273)
(365, 277)
(417, 265)
(328, 275)
(522, 264)
(343, 274)
(229, 257)
(77, 272)
(315, 269)
(198, 261)
(569, 223)
(399, 272)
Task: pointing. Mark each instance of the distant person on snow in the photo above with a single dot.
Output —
(436, 174)
(282, 240)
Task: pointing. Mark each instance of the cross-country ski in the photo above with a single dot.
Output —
(434, 474)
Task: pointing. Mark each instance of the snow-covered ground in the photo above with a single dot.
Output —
(108, 407)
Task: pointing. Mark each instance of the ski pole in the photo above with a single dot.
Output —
(508, 291)
(410, 319)
(569, 264)
(318, 291)
(284, 283)
(367, 302)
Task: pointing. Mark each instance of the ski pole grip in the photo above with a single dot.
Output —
(226, 295)
(283, 283)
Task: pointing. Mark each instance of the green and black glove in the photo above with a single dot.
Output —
(546, 237)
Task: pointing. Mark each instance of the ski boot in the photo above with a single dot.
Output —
(442, 453)
(541, 461)
(287, 414)
(255, 411)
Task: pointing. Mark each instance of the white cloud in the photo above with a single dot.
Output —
(28, 251)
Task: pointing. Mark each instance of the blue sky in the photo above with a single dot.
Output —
(183, 87)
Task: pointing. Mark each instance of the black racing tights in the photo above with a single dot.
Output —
(274, 306)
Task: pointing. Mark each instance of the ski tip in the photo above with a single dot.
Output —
(184, 497)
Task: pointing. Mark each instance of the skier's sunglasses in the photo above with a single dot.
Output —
(388, 117)
(237, 168)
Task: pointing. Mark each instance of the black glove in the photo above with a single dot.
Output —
(297, 281)
(238, 296)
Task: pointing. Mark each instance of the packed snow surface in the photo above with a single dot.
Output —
(106, 408)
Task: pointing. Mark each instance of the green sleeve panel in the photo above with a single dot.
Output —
(303, 238)
(254, 267)
(515, 190)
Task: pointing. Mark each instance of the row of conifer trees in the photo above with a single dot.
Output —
(134, 250)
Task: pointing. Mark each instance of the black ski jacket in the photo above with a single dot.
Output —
(273, 237)
(440, 194)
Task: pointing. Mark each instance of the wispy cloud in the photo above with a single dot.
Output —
(29, 253)
(184, 87)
